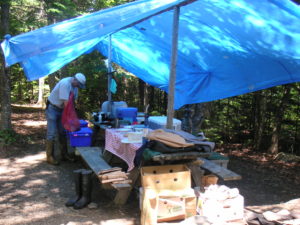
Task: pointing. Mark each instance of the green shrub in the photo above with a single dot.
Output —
(8, 136)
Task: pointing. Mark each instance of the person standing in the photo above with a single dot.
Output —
(56, 102)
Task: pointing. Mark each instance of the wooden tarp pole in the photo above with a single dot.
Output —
(172, 78)
(109, 70)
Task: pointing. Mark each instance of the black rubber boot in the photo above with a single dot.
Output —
(86, 190)
(63, 146)
(78, 189)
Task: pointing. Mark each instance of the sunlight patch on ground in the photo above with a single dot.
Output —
(118, 221)
(32, 159)
(36, 213)
(8, 171)
(33, 183)
(35, 123)
(13, 168)
(31, 123)
(55, 190)
(43, 172)
(28, 106)
(10, 196)
(24, 212)
(12, 176)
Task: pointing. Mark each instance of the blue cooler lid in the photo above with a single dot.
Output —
(83, 130)
(83, 123)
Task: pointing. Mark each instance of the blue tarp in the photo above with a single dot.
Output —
(225, 48)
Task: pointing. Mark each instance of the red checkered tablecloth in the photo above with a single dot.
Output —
(125, 151)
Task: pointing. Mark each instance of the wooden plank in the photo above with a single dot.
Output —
(219, 171)
(125, 189)
(197, 174)
(121, 186)
(93, 157)
(110, 170)
(122, 196)
(180, 156)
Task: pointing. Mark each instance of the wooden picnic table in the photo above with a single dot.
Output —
(94, 159)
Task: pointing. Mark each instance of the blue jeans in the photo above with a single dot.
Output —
(54, 125)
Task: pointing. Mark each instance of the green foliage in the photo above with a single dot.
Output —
(155, 113)
(7, 137)
(60, 10)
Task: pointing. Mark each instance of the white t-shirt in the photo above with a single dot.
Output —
(61, 92)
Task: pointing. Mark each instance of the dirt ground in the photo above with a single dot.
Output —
(34, 192)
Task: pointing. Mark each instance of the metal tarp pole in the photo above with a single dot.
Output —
(172, 77)
(109, 70)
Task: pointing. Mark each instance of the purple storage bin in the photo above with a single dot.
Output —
(81, 138)
(83, 123)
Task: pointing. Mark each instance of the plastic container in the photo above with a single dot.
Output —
(129, 113)
(159, 122)
(83, 123)
(114, 106)
(81, 138)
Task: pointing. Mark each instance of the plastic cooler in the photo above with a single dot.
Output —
(159, 122)
(129, 113)
(81, 138)
(83, 123)
(114, 107)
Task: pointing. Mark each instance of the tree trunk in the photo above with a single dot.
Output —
(51, 81)
(151, 98)
(197, 117)
(186, 120)
(259, 120)
(165, 102)
(5, 121)
(126, 88)
(146, 96)
(141, 94)
(273, 149)
(41, 101)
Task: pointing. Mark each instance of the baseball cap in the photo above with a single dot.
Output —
(81, 78)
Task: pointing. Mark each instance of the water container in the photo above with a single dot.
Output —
(114, 106)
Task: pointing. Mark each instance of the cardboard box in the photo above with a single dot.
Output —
(166, 205)
(167, 177)
(149, 207)
(228, 210)
(209, 180)
(170, 208)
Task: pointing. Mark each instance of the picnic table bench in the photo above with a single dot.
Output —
(198, 163)
(92, 156)
(219, 171)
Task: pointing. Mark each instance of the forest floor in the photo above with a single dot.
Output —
(34, 192)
